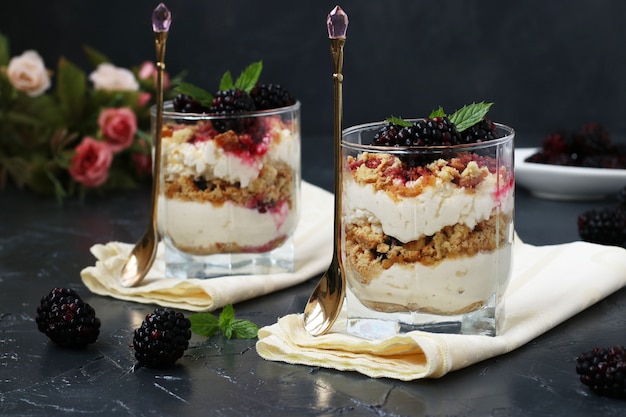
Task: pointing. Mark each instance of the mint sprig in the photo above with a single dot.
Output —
(207, 325)
(469, 115)
(245, 81)
(200, 95)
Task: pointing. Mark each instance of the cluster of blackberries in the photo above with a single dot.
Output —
(234, 101)
(591, 147)
(603, 370)
(605, 225)
(435, 131)
(68, 321)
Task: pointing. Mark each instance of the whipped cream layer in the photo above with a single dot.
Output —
(410, 218)
(202, 226)
(452, 287)
(205, 159)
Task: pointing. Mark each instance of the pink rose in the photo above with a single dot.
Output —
(148, 70)
(91, 163)
(28, 73)
(109, 77)
(118, 127)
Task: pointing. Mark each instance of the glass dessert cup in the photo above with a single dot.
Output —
(229, 197)
(427, 234)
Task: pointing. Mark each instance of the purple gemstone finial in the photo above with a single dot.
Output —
(337, 23)
(161, 19)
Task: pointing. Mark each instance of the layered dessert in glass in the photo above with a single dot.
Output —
(427, 229)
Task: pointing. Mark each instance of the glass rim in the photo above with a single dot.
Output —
(168, 112)
(509, 135)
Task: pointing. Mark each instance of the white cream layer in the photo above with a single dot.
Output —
(204, 159)
(450, 286)
(407, 219)
(202, 225)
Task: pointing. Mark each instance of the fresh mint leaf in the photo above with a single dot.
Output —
(437, 113)
(244, 329)
(226, 317)
(200, 95)
(249, 77)
(204, 324)
(226, 83)
(469, 115)
(398, 121)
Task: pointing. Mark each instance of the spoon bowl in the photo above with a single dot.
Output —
(325, 301)
(140, 259)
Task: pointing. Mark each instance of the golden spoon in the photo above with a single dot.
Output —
(142, 256)
(327, 298)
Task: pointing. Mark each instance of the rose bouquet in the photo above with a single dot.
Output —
(85, 132)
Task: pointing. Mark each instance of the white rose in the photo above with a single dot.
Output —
(28, 73)
(110, 77)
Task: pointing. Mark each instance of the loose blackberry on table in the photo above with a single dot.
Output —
(66, 319)
(603, 370)
(162, 338)
(605, 225)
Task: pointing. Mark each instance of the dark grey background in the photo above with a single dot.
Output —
(546, 64)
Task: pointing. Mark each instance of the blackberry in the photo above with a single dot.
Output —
(66, 319)
(593, 139)
(387, 135)
(603, 370)
(438, 131)
(482, 131)
(185, 104)
(232, 101)
(162, 338)
(271, 96)
(605, 226)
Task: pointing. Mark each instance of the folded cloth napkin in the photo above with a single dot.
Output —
(549, 284)
(313, 252)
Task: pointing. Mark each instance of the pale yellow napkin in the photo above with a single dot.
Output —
(313, 252)
(549, 284)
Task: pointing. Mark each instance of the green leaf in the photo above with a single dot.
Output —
(437, 113)
(249, 77)
(71, 89)
(200, 95)
(226, 317)
(469, 115)
(244, 329)
(226, 83)
(204, 324)
(398, 121)
(95, 57)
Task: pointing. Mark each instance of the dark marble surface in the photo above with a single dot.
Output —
(43, 245)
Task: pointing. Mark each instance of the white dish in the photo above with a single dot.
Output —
(566, 183)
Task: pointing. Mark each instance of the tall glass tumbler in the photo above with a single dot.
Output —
(230, 192)
(427, 234)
